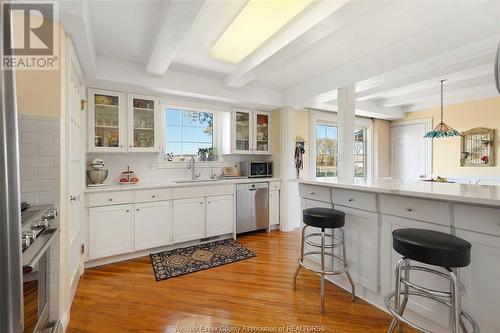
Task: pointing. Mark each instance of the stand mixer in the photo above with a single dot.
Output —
(96, 176)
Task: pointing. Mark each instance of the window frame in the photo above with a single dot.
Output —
(217, 137)
(331, 118)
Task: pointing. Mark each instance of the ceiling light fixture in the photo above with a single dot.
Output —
(442, 130)
(256, 23)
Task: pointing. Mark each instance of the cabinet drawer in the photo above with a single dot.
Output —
(475, 218)
(109, 198)
(417, 209)
(156, 194)
(355, 199)
(274, 186)
(313, 192)
(202, 191)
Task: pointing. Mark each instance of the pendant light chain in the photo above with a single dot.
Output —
(442, 94)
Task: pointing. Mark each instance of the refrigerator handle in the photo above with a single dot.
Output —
(11, 285)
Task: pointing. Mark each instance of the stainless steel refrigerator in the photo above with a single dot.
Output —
(11, 297)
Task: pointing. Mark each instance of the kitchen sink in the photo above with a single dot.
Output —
(196, 181)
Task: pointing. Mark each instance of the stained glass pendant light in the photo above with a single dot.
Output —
(442, 130)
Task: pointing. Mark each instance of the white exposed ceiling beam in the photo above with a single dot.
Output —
(118, 74)
(317, 22)
(415, 96)
(177, 19)
(366, 109)
(437, 32)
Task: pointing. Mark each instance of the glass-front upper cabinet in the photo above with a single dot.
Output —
(107, 121)
(243, 138)
(142, 122)
(262, 140)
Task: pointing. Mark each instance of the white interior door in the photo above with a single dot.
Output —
(76, 164)
(411, 152)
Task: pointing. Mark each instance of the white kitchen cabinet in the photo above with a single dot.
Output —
(432, 310)
(246, 132)
(220, 215)
(152, 224)
(110, 230)
(481, 278)
(189, 219)
(274, 207)
(143, 122)
(362, 245)
(107, 121)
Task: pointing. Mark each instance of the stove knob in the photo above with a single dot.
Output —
(42, 224)
(52, 215)
(31, 235)
(25, 241)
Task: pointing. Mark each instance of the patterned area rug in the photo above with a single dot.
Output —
(169, 264)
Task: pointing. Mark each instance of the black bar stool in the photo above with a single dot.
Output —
(324, 218)
(432, 248)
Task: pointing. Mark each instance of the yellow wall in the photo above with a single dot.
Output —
(381, 148)
(39, 92)
(462, 117)
(301, 127)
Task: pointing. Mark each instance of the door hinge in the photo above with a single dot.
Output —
(82, 104)
(379, 285)
(82, 249)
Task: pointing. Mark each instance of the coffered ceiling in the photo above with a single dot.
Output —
(393, 52)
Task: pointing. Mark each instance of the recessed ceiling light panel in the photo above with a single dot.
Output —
(256, 23)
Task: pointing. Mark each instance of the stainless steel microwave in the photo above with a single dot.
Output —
(252, 169)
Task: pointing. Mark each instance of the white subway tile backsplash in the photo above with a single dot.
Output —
(48, 173)
(46, 138)
(29, 173)
(27, 125)
(31, 197)
(37, 185)
(37, 161)
(28, 149)
(29, 137)
(48, 150)
(48, 197)
(47, 126)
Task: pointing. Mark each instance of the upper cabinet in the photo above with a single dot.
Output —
(107, 121)
(142, 123)
(118, 126)
(247, 132)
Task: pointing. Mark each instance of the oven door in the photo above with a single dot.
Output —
(35, 296)
(258, 169)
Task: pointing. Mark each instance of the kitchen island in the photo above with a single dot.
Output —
(375, 208)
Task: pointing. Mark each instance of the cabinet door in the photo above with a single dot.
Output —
(274, 207)
(110, 231)
(242, 131)
(362, 245)
(220, 215)
(481, 278)
(434, 311)
(152, 224)
(189, 219)
(262, 132)
(107, 121)
(143, 116)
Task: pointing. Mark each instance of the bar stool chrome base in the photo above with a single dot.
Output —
(337, 241)
(396, 306)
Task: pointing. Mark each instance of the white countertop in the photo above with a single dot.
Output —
(140, 186)
(464, 193)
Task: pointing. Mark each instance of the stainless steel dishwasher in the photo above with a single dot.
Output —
(252, 207)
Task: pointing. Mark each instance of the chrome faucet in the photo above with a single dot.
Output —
(191, 166)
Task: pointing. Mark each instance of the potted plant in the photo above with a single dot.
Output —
(202, 154)
(212, 154)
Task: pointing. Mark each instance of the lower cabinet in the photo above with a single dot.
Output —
(110, 230)
(152, 224)
(432, 310)
(189, 219)
(274, 207)
(362, 246)
(220, 215)
(480, 278)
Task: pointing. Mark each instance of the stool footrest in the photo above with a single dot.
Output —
(397, 316)
(319, 271)
(336, 240)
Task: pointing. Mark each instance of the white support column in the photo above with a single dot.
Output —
(346, 108)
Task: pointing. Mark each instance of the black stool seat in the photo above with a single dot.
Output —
(432, 247)
(324, 218)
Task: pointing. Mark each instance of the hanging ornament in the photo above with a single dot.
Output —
(442, 130)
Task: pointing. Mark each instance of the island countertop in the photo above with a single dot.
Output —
(463, 193)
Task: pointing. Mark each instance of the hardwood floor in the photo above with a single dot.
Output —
(254, 293)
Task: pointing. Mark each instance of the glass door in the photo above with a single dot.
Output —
(242, 122)
(142, 123)
(106, 121)
(262, 132)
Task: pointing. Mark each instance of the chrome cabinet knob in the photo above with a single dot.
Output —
(409, 209)
(153, 196)
(110, 199)
(351, 200)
